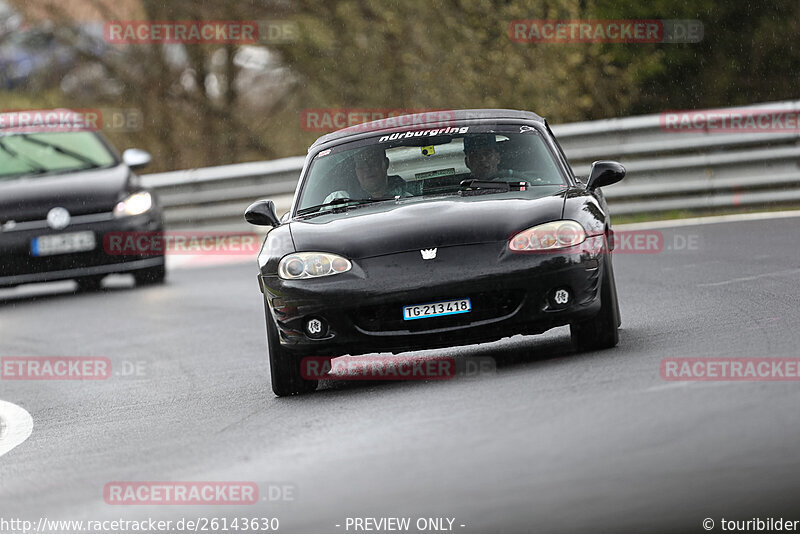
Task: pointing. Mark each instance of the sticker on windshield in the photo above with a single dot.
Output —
(324, 153)
(428, 150)
(422, 133)
(434, 174)
(523, 129)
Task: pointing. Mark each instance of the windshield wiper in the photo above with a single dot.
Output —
(16, 155)
(91, 164)
(41, 171)
(494, 185)
(345, 202)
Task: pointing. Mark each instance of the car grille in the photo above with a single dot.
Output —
(389, 317)
(41, 224)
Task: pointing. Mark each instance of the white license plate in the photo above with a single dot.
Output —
(48, 245)
(437, 309)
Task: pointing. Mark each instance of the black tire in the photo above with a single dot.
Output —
(150, 276)
(284, 366)
(89, 284)
(601, 331)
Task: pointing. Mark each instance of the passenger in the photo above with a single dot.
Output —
(482, 156)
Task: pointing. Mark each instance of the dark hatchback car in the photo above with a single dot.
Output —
(61, 193)
(451, 232)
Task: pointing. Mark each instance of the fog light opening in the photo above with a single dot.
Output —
(316, 327)
(560, 297)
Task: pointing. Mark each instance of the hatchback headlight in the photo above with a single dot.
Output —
(312, 265)
(135, 204)
(549, 236)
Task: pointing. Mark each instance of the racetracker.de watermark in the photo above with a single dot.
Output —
(605, 31)
(547, 241)
(731, 120)
(356, 119)
(394, 368)
(730, 369)
(70, 120)
(54, 368)
(70, 368)
(181, 493)
(195, 243)
(148, 525)
(242, 32)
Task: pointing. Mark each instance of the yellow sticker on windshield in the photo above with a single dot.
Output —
(428, 151)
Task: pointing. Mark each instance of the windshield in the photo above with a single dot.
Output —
(44, 153)
(429, 164)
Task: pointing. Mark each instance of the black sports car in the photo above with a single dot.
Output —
(458, 231)
(61, 193)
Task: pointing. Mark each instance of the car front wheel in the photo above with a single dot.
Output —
(287, 378)
(601, 331)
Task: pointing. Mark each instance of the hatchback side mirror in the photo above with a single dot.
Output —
(605, 173)
(262, 213)
(136, 158)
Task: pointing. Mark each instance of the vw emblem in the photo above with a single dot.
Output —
(58, 218)
(428, 254)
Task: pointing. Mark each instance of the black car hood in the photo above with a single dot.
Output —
(93, 191)
(388, 228)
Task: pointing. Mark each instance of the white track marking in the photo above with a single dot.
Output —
(189, 261)
(670, 385)
(750, 278)
(16, 426)
(697, 221)
(192, 261)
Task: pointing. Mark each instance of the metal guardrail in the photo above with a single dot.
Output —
(218, 196)
(666, 171)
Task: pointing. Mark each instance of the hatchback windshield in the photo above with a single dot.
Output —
(430, 164)
(32, 154)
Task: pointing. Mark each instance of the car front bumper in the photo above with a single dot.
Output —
(20, 266)
(362, 310)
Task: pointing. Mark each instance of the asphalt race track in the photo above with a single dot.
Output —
(552, 441)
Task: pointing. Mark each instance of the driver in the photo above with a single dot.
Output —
(371, 166)
(481, 156)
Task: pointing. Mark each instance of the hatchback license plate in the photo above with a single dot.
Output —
(48, 245)
(436, 309)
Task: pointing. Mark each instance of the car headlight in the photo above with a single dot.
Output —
(135, 204)
(312, 265)
(548, 236)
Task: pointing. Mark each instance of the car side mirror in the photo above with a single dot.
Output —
(605, 173)
(262, 213)
(136, 158)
